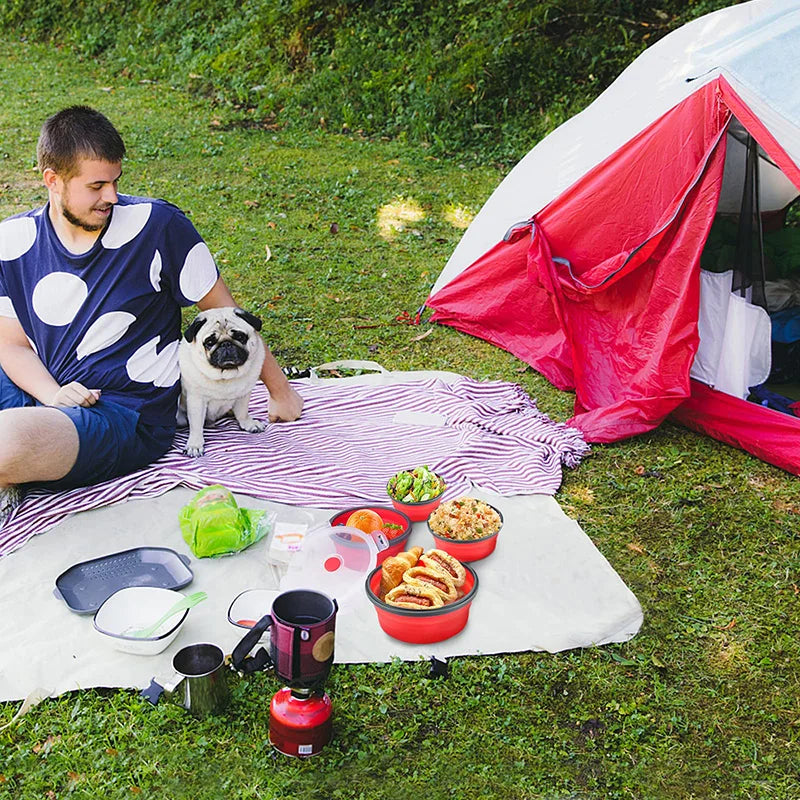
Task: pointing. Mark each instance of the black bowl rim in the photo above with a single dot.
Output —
(469, 541)
(372, 507)
(429, 612)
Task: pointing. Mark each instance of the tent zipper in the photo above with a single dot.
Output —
(666, 225)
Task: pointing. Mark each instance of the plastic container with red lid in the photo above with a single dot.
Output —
(333, 560)
(394, 544)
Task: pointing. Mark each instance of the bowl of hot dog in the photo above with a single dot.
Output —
(422, 597)
(466, 528)
(388, 527)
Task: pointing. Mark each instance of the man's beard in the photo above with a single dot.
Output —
(79, 223)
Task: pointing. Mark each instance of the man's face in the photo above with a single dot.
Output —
(85, 199)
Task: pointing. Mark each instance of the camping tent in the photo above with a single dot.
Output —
(584, 262)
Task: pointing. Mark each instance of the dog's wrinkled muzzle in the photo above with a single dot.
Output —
(227, 355)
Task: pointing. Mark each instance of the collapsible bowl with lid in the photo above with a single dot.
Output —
(466, 550)
(386, 546)
(134, 608)
(423, 626)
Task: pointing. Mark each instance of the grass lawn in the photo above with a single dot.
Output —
(702, 703)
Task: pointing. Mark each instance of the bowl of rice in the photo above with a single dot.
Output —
(466, 527)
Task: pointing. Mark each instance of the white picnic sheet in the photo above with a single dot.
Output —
(546, 587)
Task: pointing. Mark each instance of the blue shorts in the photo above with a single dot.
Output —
(112, 439)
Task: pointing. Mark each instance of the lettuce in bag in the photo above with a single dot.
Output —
(213, 524)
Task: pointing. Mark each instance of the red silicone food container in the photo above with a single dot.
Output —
(417, 511)
(396, 544)
(427, 625)
(468, 549)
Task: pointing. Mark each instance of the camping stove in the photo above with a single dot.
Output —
(301, 626)
(300, 721)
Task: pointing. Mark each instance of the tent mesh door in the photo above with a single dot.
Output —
(748, 265)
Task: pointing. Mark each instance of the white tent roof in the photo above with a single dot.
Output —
(754, 46)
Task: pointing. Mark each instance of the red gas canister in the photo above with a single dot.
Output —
(299, 722)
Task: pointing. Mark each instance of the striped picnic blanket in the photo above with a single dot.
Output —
(349, 441)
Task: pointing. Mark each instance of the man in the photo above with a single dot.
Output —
(91, 288)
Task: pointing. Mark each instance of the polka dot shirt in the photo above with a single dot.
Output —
(109, 318)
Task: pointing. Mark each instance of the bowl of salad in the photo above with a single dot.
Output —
(416, 492)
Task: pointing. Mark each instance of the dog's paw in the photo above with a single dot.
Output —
(194, 450)
(253, 425)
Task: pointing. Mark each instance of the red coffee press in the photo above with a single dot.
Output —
(301, 624)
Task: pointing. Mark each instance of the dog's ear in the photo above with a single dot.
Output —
(193, 329)
(250, 319)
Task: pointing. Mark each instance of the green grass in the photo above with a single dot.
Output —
(458, 76)
(702, 703)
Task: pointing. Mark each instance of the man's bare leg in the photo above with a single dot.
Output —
(36, 444)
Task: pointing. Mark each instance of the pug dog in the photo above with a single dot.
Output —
(220, 357)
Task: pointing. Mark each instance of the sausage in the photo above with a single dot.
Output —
(437, 579)
(410, 596)
(445, 563)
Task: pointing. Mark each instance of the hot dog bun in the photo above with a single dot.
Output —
(394, 567)
(444, 562)
(437, 579)
(418, 597)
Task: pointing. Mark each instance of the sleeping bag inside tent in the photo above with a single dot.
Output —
(587, 261)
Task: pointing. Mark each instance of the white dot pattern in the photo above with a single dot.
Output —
(126, 224)
(198, 274)
(57, 298)
(7, 308)
(103, 332)
(148, 366)
(16, 237)
(155, 271)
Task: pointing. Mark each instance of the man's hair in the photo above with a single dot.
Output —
(74, 133)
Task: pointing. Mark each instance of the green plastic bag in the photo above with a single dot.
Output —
(212, 524)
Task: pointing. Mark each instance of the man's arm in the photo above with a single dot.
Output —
(285, 404)
(20, 362)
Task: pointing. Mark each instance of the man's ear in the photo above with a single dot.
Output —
(51, 179)
(250, 319)
(193, 329)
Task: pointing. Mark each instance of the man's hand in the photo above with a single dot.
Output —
(75, 394)
(286, 406)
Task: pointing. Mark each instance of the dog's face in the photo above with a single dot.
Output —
(221, 357)
(224, 337)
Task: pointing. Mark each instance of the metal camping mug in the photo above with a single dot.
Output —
(200, 683)
(301, 625)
